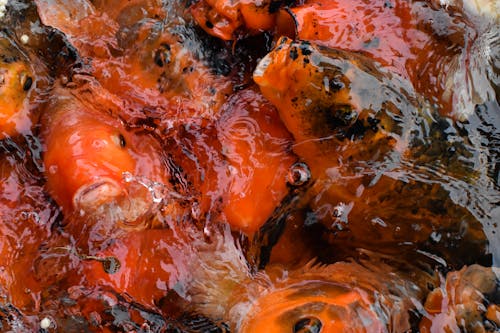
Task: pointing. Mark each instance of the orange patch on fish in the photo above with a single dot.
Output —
(257, 149)
(138, 265)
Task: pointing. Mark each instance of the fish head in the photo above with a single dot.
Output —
(313, 306)
(326, 93)
(339, 297)
(85, 159)
(16, 83)
(95, 166)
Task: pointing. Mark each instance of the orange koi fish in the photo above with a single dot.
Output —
(17, 85)
(239, 164)
(372, 295)
(256, 147)
(224, 19)
(94, 165)
(385, 31)
(140, 58)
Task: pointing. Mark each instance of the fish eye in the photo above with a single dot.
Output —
(121, 140)
(27, 82)
(308, 325)
(298, 174)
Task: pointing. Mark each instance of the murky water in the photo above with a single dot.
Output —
(308, 166)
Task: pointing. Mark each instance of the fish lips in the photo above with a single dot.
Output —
(124, 205)
(89, 196)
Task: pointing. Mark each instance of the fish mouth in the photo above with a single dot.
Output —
(125, 206)
(90, 196)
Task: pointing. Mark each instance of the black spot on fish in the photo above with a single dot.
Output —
(305, 49)
(373, 122)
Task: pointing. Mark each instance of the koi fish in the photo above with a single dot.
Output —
(17, 82)
(451, 61)
(222, 19)
(321, 91)
(466, 301)
(141, 59)
(342, 297)
(349, 297)
(238, 165)
(340, 107)
(94, 165)
(387, 32)
(365, 133)
(375, 294)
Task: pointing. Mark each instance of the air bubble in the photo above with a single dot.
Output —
(45, 323)
(435, 236)
(25, 39)
(53, 169)
(207, 232)
(377, 220)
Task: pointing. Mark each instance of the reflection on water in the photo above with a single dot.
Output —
(155, 178)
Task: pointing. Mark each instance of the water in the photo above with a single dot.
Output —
(244, 208)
